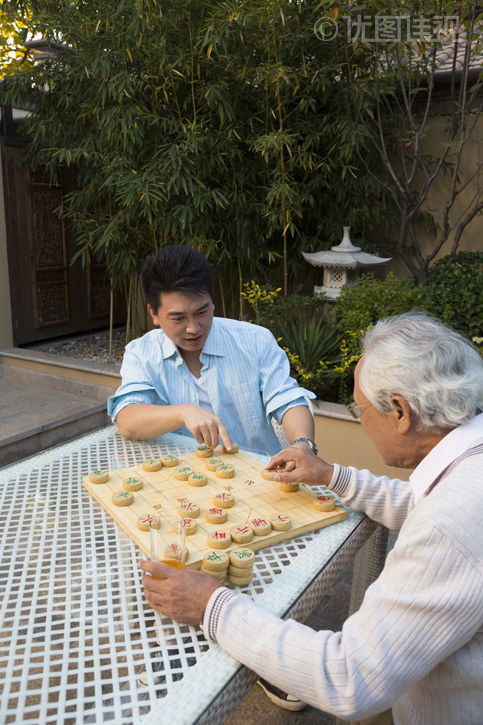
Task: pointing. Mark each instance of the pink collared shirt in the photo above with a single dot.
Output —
(443, 454)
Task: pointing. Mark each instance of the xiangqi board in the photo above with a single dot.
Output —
(255, 498)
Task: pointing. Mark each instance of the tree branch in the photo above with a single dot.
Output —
(471, 215)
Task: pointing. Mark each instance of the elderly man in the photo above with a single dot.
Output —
(416, 644)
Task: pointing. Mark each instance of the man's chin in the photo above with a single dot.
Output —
(396, 463)
(193, 345)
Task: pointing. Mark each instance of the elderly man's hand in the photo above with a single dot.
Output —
(305, 467)
(181, 594)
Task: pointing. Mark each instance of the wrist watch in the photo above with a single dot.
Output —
(309, 442)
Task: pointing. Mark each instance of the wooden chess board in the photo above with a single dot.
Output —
(255, 497)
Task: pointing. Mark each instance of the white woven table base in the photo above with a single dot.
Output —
(243, 680)
(75, 630)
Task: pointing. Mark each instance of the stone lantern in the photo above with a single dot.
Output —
(42, 48)
(341, 265)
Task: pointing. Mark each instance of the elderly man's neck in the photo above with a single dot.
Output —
(417, 445)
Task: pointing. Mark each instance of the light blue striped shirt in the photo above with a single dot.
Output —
(245, 372)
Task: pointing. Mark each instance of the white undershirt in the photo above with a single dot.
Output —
(203, 398)
(443, 454)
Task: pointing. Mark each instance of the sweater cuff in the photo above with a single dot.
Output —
(340, 480)
(213, 610)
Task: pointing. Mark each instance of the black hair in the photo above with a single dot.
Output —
(176, 268)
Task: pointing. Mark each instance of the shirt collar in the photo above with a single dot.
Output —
(443, 454)
(168, 347)
(214, 344)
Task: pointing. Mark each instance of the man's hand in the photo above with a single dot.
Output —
(306, 466)
(181, 594)
(207, 428)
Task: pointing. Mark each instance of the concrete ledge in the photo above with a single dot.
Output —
(333, 410)
(54, 382)
(86, 371)
(35, 441)
(97, 411)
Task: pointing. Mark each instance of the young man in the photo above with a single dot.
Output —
(214, 378)
(416, 643)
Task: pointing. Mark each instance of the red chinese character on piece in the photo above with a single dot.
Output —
(259, 522)
(146, 519)
(216, 511)
(282, 518)
(243, 530)
(219, 535)
(323, 498)
(173, 551)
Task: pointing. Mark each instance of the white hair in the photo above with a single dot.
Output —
(437, 370)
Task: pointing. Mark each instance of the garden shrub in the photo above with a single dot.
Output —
(456, 290)
(479, 344)
(323, 345)
(357, 308)
(304, 328)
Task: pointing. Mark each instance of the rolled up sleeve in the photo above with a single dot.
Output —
(280, 391)
(136, 385)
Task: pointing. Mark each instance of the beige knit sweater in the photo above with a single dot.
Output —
(416, 643)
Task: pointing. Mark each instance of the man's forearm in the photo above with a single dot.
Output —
(298, 423)
(142, 420)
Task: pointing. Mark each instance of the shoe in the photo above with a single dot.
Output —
(280, 698)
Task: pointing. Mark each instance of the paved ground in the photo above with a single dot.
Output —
(38, 411)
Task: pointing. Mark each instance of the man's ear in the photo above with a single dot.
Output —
(403, 413)
(154, 316)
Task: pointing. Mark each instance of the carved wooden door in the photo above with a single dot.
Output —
(50, 296)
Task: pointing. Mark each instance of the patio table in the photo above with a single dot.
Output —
(79, 644)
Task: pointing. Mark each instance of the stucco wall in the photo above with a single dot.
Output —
(472, 237)
(345, 442)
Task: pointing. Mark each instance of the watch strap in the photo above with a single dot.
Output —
(310, 443)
